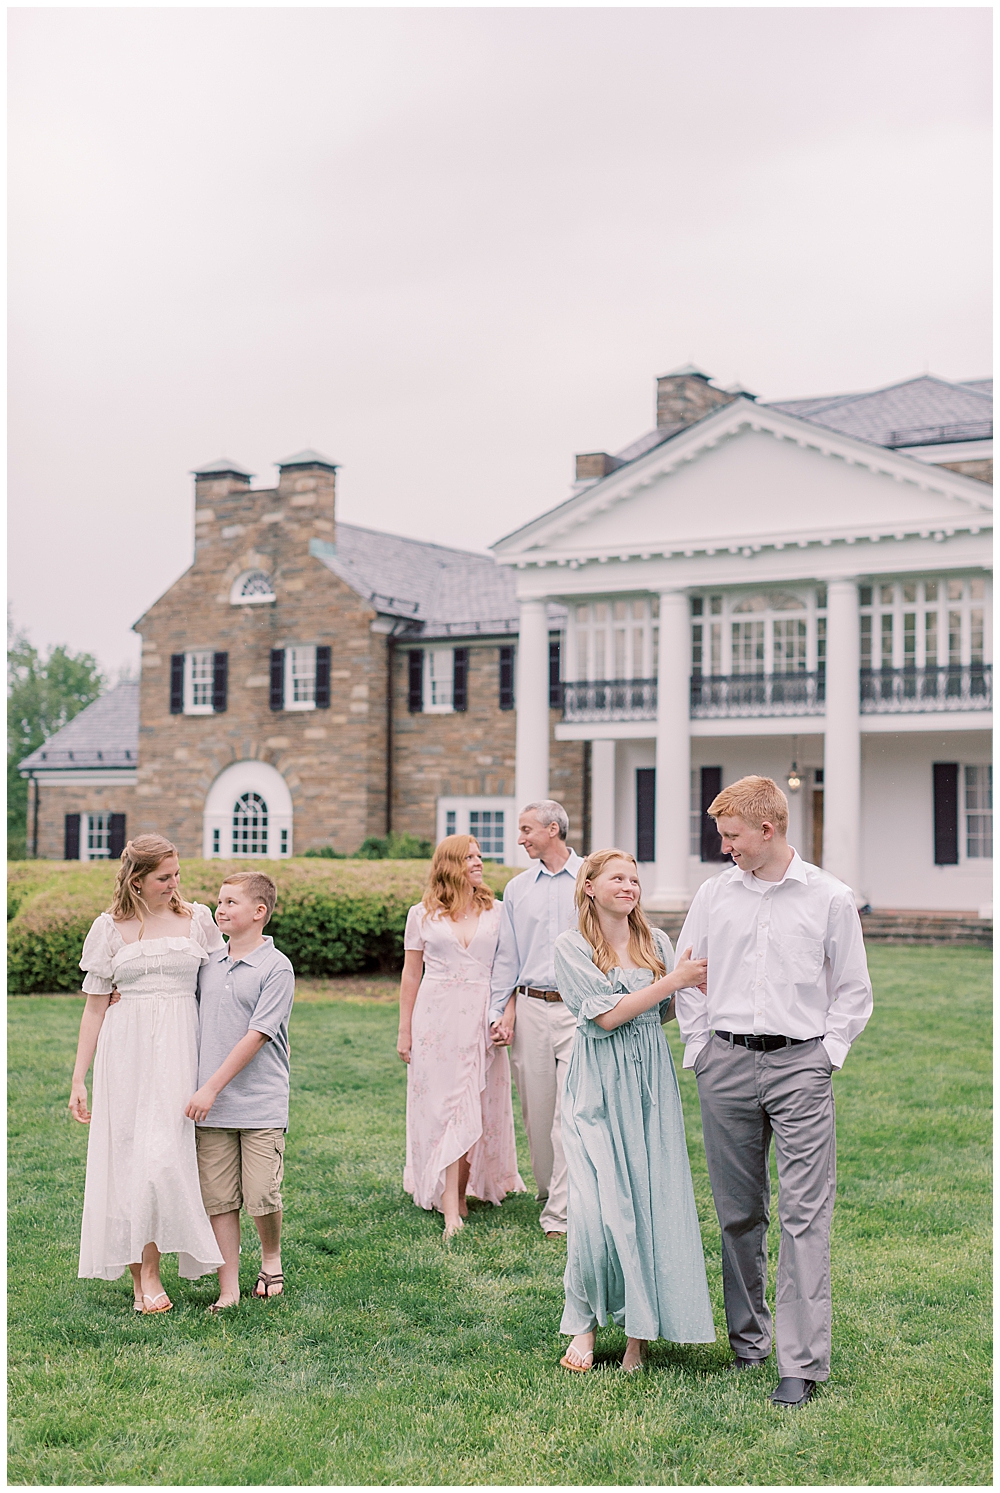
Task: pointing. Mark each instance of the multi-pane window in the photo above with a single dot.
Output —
(932, 623)
(249, 825)
(449, 822)
(979, 813)
(487, 826)
(765, 632)
(300, 678)
(199, 676)
(439, 678)
(252, 588)
(613, 639)
(95, 836)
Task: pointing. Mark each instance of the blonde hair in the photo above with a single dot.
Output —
(258, 886)
(141, 856)
(753, 800)
(448, 886)
(641, 944)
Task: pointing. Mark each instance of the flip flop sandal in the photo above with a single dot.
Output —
(578, 1368)
(269, 1281)
(219, 1306)
(154, 1310)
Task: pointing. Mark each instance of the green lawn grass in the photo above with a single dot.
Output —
(392, 1360)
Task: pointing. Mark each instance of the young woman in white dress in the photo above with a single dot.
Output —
(142, 1196)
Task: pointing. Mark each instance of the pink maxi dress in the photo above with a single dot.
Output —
(457, 1082)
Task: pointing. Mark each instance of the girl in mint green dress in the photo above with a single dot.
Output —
(634, 1243)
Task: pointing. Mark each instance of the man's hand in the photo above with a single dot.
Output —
(199, 1104)
(78, 1103)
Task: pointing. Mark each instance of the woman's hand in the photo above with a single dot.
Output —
(690, 973)
(403, 1044)
(78, 1102)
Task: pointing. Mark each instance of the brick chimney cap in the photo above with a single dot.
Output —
(688, 371)
(223, 467)
(307, 458)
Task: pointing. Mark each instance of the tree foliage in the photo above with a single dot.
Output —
(43, 693)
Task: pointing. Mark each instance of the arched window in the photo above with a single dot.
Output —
(248, 813)
(251, 588)
(249, 825)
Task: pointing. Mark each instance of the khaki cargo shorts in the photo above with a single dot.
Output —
(240, 1168)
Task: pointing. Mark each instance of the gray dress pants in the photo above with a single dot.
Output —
(745, 1098)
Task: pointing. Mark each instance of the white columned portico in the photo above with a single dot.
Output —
(673, 755)
(602, 795)
(532, 695)
(842, 764)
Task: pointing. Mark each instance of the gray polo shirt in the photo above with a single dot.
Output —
(252, 994)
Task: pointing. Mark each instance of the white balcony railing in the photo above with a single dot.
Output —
(911, 691)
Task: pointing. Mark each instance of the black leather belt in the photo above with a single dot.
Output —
(761, 1044)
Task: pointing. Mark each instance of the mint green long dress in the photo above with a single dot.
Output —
(634, 1243)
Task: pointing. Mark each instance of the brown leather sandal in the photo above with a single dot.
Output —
(269, 1281)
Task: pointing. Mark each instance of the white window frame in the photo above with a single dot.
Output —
(258, 598)
(439, 677)
(87, 827)
(888, 599)
(966, 814)
(463, 808)
(300, 655)
(613, 629)
(248, 776)
(712, 626)
(193, 662)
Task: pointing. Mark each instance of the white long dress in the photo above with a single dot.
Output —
(142, 1170)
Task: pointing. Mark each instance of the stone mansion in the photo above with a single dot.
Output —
(800, 588)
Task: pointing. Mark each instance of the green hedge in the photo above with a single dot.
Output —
(332, 918)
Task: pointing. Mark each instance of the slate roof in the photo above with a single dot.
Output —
(920, 412)
(440, 592)
(105, 734)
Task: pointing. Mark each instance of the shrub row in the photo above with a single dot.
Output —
(333, 917)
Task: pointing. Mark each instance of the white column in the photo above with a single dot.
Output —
(602, 795)
(842, 764)
(532, 701)
(673, 755)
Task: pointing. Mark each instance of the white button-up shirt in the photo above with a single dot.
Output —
(537, 907)
(785, 958)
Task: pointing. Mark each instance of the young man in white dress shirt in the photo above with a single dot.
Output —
(526, 1009)
(788, 992)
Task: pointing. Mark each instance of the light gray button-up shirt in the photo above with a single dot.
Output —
(537, 907)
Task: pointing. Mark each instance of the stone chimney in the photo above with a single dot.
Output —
(684, 396)
(307, 483)
(219, 480)
(594, 464)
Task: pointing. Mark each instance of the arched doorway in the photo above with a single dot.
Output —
(248, 814)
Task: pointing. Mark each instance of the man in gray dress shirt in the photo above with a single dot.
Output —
(526, 1009)
(788, 992)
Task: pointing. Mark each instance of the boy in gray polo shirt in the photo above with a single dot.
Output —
(245, 994)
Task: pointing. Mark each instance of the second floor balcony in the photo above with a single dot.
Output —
(941, 689)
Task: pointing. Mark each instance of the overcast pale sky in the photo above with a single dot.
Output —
(451, 248)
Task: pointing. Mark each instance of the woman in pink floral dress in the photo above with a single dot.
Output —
(459, 1119)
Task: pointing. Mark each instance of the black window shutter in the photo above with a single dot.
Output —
(460, 680)
(323, 678)
(416, 694)
(946, 813)
(711, 842)
(116, 835)
(176, 683)
(506, 679)
(645, 813)
(220, 681)
(71, 843)
(277, 678)
(555, 683)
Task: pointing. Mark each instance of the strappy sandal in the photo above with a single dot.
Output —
(220, 1306)
(583, 1367)
(154, 1310)
(269, 1281)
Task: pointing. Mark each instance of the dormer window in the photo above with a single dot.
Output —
(252, 588)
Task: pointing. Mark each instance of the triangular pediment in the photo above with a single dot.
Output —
(747, 476)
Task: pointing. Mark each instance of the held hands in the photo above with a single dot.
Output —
(403, 1045)
(691, 973)
(199, 1104)
(78, 1102)
(502, 1032)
